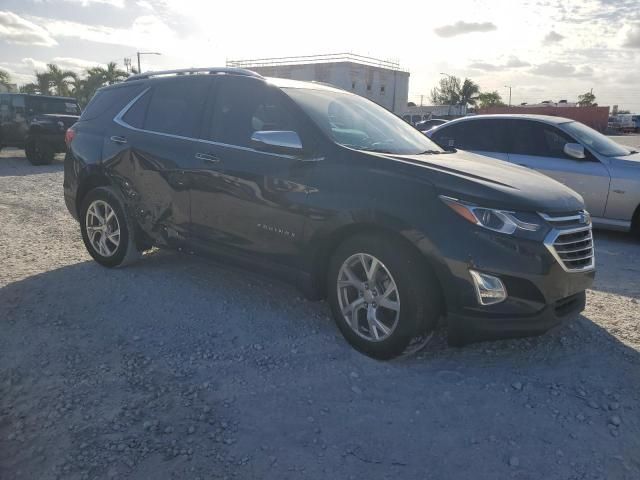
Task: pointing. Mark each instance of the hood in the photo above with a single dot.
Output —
(628, 160)
(494, 183)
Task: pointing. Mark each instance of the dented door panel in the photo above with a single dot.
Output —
(151, 177)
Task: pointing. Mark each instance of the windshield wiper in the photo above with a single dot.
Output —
(431, 152)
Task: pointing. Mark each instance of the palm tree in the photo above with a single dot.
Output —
(86, 87)
(469, 92)
(43, 81)
(112, 74)
(62, 80)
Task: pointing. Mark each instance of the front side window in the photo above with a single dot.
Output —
(358, 123)
(175, 106)
(538, 139)
(244, 106)
(595, 140)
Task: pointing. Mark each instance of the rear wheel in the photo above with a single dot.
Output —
(106, 228)
(38, 152)
(381, 295)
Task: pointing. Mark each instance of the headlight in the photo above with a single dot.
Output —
(502, 221)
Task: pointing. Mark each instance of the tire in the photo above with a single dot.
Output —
(38, 152)
(101, 241)
(417, 295)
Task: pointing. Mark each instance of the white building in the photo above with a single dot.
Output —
(417, 114)
(379, 80)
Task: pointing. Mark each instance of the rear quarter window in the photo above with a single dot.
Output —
(110, 101)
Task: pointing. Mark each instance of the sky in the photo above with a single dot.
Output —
(544, 49)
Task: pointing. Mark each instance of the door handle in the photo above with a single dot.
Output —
(207, 157)
(118, 140)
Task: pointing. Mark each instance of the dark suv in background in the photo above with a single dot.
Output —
(36, 123)
(333, 192)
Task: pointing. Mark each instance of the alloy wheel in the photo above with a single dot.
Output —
(103, 228)
(368, 297)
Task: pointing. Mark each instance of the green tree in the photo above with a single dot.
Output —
(43, 81)
(63, 81)
(452, 91)
(469, 92)
(86, 87)
(586, 99)
(490, 99)
(5, 78)
(112, 74)
(447, 92)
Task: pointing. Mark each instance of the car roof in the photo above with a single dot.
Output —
(40, 96)
(277, 82)
(513, 116)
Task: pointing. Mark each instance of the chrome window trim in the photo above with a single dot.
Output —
(119, 120)
(553, 235)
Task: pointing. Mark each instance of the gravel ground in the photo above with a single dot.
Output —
(178, 368)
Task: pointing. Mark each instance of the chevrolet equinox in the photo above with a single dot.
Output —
(336, 194)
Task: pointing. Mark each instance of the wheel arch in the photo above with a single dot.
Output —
(322, 254)
(88, 183)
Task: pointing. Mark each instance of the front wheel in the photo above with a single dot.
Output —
(107, 231)
(38, 152)
(382, 295)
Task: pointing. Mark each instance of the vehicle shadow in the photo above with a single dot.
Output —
(617, 263)
(274, 367)
(13, 163)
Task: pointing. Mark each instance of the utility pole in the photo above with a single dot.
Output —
(509, 87)
(421, 98)
(144, 53)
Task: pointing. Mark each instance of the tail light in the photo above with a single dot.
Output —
(69, 136)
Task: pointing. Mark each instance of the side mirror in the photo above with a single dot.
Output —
(574, 150)
(277, 141)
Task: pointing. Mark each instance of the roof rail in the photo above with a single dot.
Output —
(183, 71)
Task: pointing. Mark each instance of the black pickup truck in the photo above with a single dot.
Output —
(36, 123)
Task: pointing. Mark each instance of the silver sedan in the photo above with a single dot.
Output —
(605, 173)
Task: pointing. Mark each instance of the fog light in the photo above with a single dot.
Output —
(490, 289)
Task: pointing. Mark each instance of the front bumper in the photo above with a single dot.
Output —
(465, 329)
(541, 293)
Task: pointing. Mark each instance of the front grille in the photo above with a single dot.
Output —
(571, 246)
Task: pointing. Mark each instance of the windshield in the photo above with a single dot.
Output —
(595, 140)
(60, 106)
(356, 122)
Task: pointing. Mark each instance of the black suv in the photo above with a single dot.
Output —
(337, 194)
(36, 123)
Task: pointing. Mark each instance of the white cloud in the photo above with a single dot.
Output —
(632, 39)
(17, 30)
(552, 37)
(561, 69)
(86, 3)
(461, 28)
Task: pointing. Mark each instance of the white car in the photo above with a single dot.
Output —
(605, 173)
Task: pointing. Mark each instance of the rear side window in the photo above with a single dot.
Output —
(136, 114)
(110, 101)
(484, 136)
(175, 105)
(244, 106)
